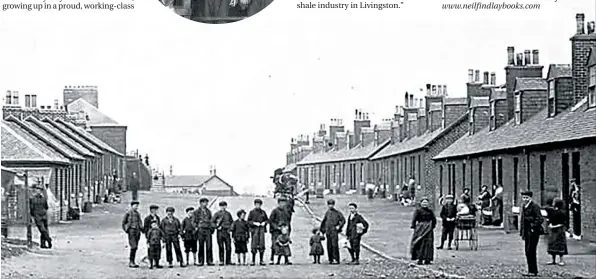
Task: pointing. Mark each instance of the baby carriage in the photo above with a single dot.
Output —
(465, 230)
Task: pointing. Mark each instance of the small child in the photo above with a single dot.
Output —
(283, 245)
(154, 237)
(189, 236)
(316, 248)
(448, 214)
(240, 234)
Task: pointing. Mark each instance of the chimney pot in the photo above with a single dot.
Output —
(527, 57)
(407, 99)
(470, 75)
(15, 97)
(477, 76)
(535, 59)
(411, 100)
(510, 55)
(485, 81)
(580, 23)
(428, 89)
(439, 89)
(8, 99)
(444, 90)
(520, 59)
(493, 78)
(434, 90)
(34, 101)
(591, 27)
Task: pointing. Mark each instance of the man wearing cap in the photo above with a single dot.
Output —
(530, 230)
(38, 206)
(171, 227)
(331, 226)
(279, 215)
(132, 224)
(151, 217)
(448, 213)
(203, 222)
(223, 222)
(257, 221)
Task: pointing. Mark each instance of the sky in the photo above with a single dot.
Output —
(233, 95)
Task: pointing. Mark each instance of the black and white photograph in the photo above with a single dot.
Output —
(216, 11)
(327, 139)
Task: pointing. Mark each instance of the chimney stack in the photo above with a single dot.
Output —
(470, 75)
(8, 99)
(434, 90)
(535, 59)
(510, 55)
(591, 27)
(428, 92)
(520, 59)
(477, 76)
(34, 101)
(493, 78)
(485, 81)
(527, 57)
(580, 23)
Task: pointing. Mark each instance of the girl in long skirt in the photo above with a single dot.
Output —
(557, 240)
(423, 223)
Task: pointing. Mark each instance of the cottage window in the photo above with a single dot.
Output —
(518, 108)
(361, 172)
(592, 87)
(334, 173)
(343, 173)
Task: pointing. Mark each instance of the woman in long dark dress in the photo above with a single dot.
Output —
(485, 198)
(557, 240)
(423, 223)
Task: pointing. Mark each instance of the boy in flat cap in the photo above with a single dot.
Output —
(151, 217)
(132, 224)
(257, 221)
(240, 235)
(172, 228)
(203, 223)
(279, 215)
(223, 222)
(331, 226)
(355, 229)
(189, 236)
(448, 214)
(530, 230)
(154, 236)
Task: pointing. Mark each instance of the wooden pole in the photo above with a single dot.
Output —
(28, 212)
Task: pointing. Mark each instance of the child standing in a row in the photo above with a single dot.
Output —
(316, 248)
(240, 234)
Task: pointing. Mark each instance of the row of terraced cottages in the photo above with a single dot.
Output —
(54, 148)
(529, 133)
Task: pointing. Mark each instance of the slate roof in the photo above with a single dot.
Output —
(592, 57)
(19, 149)
(89, 136)
(558, 70)
(573, 124)
(60, 135)
(185, 180)
(81, 140)
(479, 102)
(35, 141)
(522, 84)
(415, 143)
(96, 117)
(50, 140)
(359, 152)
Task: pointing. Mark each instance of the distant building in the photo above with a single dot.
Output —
(210, 185)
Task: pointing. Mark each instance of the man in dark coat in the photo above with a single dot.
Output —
(203, 222)
(530, 230)
(38, 206)
(257, 221)
(356, 227)
(132, 224)
(223, 222)
(172, 228)
(279, 215)
(331, 226)
(448, 214)
(134, 186)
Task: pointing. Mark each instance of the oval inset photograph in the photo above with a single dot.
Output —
(216, 11)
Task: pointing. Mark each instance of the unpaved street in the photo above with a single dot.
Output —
(96, 247)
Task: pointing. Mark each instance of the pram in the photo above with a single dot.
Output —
(466, 230)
